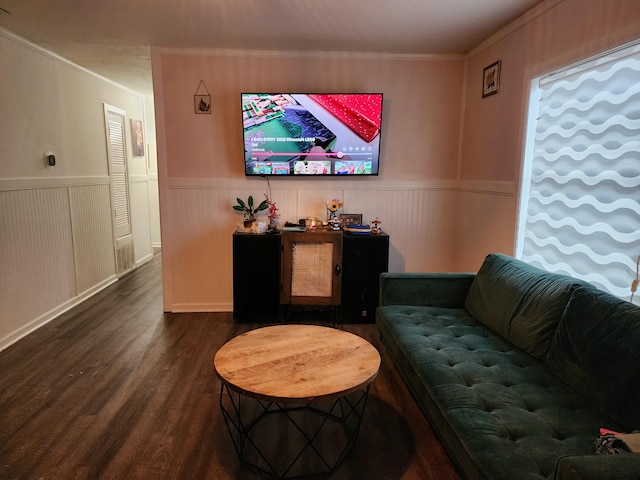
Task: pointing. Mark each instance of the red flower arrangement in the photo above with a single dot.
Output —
(272, 213)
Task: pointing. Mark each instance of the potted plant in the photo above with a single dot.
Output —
(248, 211)
(272, 214)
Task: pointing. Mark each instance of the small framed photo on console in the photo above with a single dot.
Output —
(346, 218)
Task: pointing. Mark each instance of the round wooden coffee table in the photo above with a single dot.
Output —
(314, 379)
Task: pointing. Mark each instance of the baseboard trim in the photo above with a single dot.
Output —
(145, 259)
(52, 314)
(201, 307)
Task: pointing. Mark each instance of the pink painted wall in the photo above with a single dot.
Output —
(421, 106)
(566, 33)
(200, 158)
(556, 34)
(448, 188)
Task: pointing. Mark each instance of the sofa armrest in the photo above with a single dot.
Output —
(598, 467)
(446, 290)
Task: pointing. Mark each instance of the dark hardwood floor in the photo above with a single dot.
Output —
(117, 389)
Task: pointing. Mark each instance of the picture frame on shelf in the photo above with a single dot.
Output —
(491, 79)
(346, 218)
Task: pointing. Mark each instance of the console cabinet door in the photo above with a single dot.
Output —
(311, 268)
(364, 259)
(256, 277)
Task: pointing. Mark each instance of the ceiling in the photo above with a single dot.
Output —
(112, 38)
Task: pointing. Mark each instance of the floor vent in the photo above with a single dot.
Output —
(125, 257)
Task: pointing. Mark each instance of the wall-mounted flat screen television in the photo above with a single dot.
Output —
(293, 134)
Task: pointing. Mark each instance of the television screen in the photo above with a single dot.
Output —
(311, 134)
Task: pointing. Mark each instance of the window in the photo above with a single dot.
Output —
(580, 198)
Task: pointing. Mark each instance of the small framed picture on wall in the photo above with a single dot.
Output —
(137, 138)
(491, 79)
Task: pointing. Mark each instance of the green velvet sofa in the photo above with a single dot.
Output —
(517, 369)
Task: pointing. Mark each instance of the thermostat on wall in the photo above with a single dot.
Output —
(49, 159)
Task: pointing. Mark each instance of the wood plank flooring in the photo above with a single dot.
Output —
(117, 389)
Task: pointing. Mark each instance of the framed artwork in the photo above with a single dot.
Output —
(202, 104)
(137, 138)
(202, 99)
(491, 79)
(346, 218)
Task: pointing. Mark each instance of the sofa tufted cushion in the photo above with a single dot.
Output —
(520, 302)
(505, 411)
(596, 350)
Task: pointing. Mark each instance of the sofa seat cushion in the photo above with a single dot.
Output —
(513, 417)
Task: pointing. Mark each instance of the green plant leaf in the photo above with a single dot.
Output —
(250, 201)
(262, 206)
(241, 203)
(238, 208)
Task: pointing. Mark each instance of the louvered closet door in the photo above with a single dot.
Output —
(118, 164)
(121, 213)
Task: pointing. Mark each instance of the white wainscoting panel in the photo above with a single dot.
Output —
(56, 249)
(36, 256)
(141, 221)
(486, 224)
(154, 212)
(200, 256)
(420, 220)
(92, 235)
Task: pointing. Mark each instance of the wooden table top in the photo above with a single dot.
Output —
(296, 363)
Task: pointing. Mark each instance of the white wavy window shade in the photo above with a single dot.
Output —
(583, 209)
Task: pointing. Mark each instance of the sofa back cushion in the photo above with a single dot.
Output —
(596, 350)
(520, 302)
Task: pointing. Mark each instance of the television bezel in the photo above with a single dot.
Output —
(324, 175)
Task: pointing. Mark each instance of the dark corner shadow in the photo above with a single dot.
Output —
(385, 448)
(386, 445)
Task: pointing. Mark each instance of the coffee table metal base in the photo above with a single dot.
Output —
(289, 440)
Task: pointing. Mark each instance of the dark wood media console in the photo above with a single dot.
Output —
(260, 261)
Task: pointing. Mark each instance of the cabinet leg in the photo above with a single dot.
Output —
(335, 315)
(284, 313)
